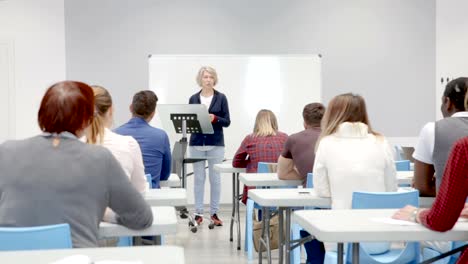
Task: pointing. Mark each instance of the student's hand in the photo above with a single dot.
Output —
(212, 117)
(405, 213)
(464, 212)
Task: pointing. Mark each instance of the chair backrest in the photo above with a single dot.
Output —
(266, 167)
(384, 200)
(34, 238)
(402, 165)
(310, 180)
(149, 179)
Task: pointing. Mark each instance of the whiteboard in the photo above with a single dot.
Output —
(281, 83)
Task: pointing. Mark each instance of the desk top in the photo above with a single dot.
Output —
(305, 197)
(166, 197)
(405, 177)
(227, 168)
(164, 222)
(172, 181)
(362, 226)
(288, 197)
(170, 254)
(265, 180)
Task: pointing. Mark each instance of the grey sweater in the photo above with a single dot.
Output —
(72, 183)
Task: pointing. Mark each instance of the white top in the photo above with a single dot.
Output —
(288, 197)
(367, 225)
(127, 151)
(164, 222)
(227, 168)
(206, 100)
(170, 254)
(425, 146)
(266, 180)
(353, 160)
(166, 197)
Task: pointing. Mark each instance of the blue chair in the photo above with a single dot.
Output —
(125, 242)
(35, 238)
(150, 180)
(296, 229)
(263, 167)
(382, 200)
(403, 165)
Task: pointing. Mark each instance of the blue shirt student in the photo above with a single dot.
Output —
(155, 147)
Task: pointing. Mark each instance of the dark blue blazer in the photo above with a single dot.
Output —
(218, 107)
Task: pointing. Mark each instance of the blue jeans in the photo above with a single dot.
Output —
(214, 156)
(315, 250)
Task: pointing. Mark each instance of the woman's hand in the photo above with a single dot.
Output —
(464, 212)
(406, 213)
(212, 117)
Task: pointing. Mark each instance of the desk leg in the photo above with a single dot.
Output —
(355, 253)
(184, 178)
(237, 212)
(261, 240)
(340, 253)
(267, 222)
(288, 235)
(233, 215)
(280, 234)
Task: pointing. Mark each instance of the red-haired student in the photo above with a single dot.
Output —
(55, 178)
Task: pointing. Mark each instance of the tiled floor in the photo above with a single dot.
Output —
(212, 246)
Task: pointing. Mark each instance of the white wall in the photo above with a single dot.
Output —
(452, 44)
(384, 50)
(36, 30)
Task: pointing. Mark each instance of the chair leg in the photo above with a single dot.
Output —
(249, 229)
(296, 253)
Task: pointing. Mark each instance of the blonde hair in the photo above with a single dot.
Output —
(209, 70)
(102, 104)
(342, 108)
(265, 124)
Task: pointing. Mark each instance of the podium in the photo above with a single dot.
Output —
(185, 119)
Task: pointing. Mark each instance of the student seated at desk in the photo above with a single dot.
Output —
(351, 156)
(55, 178)
(450, 201)
(263, 145)
(124, 148)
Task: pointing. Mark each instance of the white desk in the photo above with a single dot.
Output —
(286, 200)
(405, 177)
(266, 180)
(235, 217)
(166, 197)
(167, 254)
(357, 226)
(164, 222)
(172, 181)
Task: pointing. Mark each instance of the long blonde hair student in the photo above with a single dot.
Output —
(342, 108)
(265, 124)
(102, 106)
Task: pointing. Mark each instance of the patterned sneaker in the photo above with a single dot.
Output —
(198, 219)
(216, 220)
